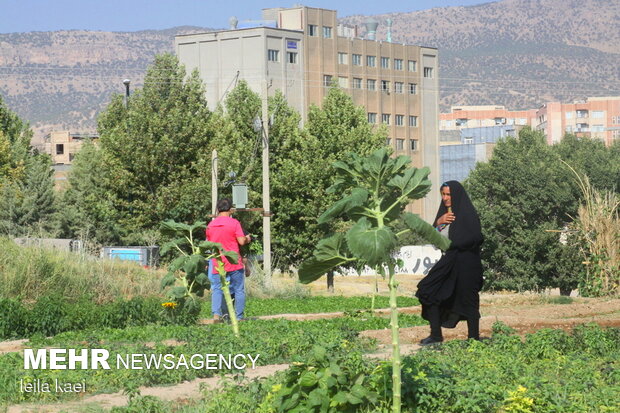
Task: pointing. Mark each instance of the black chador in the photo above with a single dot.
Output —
(449, 293)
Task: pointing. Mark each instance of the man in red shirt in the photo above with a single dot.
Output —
(227, 231)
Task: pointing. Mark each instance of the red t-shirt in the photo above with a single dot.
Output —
(225, 230)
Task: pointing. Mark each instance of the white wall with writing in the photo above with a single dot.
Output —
(415, 259)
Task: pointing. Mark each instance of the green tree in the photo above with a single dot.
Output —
(303, 169)
(524, 195)
(154, 155)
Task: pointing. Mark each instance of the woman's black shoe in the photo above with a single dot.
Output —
(430, 340)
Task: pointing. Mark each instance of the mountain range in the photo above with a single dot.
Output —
(516, 53)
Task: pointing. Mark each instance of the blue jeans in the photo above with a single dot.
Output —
(237, 288)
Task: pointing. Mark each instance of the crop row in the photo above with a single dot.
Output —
(274, 341)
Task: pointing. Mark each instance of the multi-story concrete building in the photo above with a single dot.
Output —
(461, 117)
(594, 117)
(304, 50)
(62, 147)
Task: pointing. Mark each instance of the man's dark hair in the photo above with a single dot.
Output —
(224, 205)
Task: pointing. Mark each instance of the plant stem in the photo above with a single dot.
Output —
(226, 290)
(396, 384)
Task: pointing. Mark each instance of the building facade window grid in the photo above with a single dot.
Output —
(385, 118)
(357, 83)
(385, 62)
(343, 82)
(413, 88)
(313, 30)
(399, 120)
(371, 61)
(400, 144)
(371, 84)
(398, 87)
(398, 64)
(385, 86)
(412, 66)
(413, 121)
(327, 80)
(356, 59)
(428, 72)
(291, 57)
(413, 144)
(327, 32)
(343, 58)
(372, 117)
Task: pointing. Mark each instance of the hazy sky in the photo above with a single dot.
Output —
(133, 15)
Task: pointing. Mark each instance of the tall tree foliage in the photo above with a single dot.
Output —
(303, 170)
(523, 194)
(155, 155)
(27, 200)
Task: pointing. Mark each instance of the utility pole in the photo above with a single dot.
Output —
(214, 182)
(266, 208)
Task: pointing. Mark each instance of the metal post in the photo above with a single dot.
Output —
(126, 82)
(214, 182)
(266, 208)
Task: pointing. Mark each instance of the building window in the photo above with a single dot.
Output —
(615, 120)
(597, 114)
(60, 149)
(615, 134)
(291, 57)
(400, 120)
(412, 66)
(273, 55)
(343, 58)
(385, 86)
(327, 32)
(343, 82)
(522, 121)
(500, 121)
(71, 157)
(569, 115)
(413, 88)
(461, 122)
(398, 64)
(356, 59)
(313, 30)
(327, 80)
(413, 144)
(357, 83)
(400, 144)
(428, 72)
(385, 62)
(413, 121)
(582, 113)
(388, 142)
(385, 118)
(371, 61)
(398, 87)
(372, 117)
(371, 84)
(598, 128)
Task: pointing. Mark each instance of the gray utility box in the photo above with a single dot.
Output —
(145, 256)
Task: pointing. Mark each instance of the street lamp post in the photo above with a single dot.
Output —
(126, 82)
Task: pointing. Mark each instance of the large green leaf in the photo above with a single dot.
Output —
(171, 228)
(357, 198)
(369, 243)
(178, 263)
(172, 245)
(313, 269)
(426, 231)
(195, 264)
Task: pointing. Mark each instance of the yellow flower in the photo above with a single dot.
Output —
(169, 304)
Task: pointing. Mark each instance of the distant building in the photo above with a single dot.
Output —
(62, 147)
(461, 150)
(461, 117)
(302, 51)
(594, 117)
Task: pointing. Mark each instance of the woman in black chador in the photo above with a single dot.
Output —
(449, 293)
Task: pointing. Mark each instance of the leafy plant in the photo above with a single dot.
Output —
(376, 189)
(189, 268)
